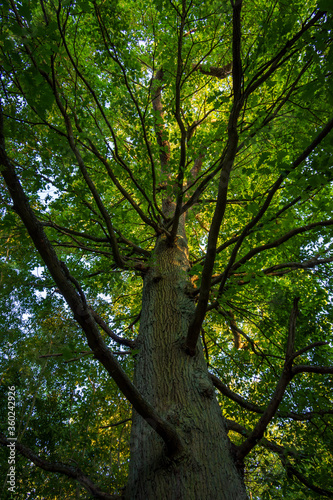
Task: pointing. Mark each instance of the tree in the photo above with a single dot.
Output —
(166, 229)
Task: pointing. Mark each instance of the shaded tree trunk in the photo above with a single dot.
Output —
(178, 386)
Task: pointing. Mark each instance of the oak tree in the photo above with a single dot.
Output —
(166, 230)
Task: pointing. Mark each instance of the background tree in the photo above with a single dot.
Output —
(166, 232)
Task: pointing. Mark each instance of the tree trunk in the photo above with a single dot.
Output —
(179, 387)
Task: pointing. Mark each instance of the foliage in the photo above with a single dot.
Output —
(97, 158)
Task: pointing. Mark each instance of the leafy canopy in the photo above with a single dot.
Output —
(111, 107)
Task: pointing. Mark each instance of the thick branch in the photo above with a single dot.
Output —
(220, 73)
(181, 126)
(224, 389)
(59, 468)
(312, 369)
(81, 312)
(279, 241)
(235, 331)
(294, 472)
(110, 333)
(161, 134)
(240, 429)
(325, 131)
(227, 163)
(282, 452)
(277, 397)
(195, 170)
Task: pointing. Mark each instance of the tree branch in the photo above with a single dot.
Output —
(294, 472)
(286, 376)
(233, 396)
(114, 56)
(277, 270)
(116, 153)
(275, 62)
(65, 230)
(279, 241)
(160, 131)
(282, 452)
(110, 333)
(220, 73)
(116, 424)
(59, 468)
(308, 348)
(181, 126)
(226, 165)
(224, 389)
(324, 132)
(240, 429)
(298, 265)
(80, 310)
(122, 190)
(70, 137)
(312, 369)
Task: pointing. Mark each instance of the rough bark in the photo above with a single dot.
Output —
(179, 387)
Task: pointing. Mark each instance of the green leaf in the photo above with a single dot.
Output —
(325, 5)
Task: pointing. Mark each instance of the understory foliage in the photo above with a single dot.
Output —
(112, 111)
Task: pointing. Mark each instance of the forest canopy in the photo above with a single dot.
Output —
(178, 144)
